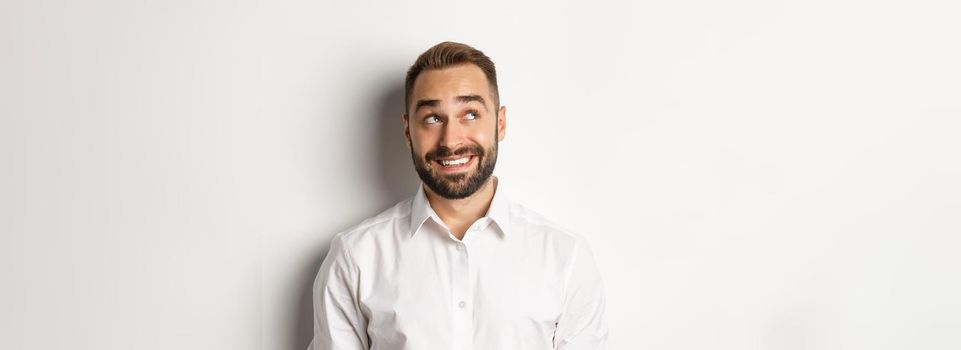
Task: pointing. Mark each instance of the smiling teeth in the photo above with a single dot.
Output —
(453, 162)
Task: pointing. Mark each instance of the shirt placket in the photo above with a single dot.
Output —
(462, 299)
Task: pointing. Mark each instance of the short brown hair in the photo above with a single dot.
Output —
(447, 54)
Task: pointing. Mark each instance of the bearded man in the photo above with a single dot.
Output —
(458, 265)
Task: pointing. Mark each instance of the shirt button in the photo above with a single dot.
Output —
(461, 304)
(460, 247)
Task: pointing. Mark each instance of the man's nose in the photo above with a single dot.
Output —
(453, 135)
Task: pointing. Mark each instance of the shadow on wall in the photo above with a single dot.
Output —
(397, 180)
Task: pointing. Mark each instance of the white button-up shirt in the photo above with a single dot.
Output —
(402, 281)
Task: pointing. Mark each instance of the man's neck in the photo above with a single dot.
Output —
(459, 214)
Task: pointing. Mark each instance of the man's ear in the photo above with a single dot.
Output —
(407, 129)
(501, 123)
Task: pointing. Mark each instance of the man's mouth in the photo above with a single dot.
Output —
(455, 164)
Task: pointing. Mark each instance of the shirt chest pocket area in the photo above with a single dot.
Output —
(408, 309)
(524, 302)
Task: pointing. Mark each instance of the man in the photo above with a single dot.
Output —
(458, 265)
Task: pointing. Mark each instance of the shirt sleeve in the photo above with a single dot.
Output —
(582, 325)
(338, 321)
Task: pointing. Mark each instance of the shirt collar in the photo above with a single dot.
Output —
(498, 212)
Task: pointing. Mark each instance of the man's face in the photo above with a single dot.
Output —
(452, 129)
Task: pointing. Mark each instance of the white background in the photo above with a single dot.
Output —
(750, 174)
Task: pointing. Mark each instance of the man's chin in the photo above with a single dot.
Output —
(453, 189)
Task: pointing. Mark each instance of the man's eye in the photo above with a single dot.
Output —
(432, 119)
(471, 115)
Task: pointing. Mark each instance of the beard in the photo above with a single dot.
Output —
(460, 185)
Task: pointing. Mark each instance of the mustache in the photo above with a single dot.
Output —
(442, 152)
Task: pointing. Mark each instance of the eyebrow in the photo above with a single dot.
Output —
(461, 99)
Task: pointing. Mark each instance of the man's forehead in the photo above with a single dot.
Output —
(450, 82)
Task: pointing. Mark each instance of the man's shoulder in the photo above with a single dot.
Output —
(528, 221)
(385, 222)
